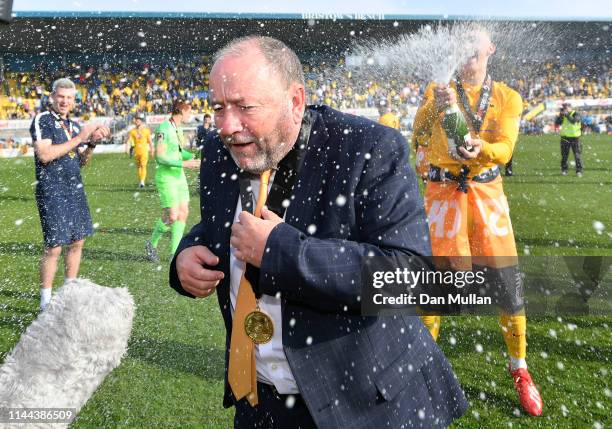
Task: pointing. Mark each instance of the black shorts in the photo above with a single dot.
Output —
(64, 218)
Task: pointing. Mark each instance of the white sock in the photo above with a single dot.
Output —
(45, 297)
(69, 279)
(516, 363)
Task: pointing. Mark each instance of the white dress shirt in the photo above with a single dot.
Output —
(272, 365)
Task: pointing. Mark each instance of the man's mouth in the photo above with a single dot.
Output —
(239, 142)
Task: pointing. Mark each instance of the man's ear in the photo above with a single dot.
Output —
(492, 49)
(298, 102)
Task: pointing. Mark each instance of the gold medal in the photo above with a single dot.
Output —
(71, 154)
(258, 326)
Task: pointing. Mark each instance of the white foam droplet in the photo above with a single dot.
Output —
(290, 401)
(599, 227)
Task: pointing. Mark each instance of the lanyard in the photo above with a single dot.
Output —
(178, 135)
(476, 119)
(68, 132)
(282, 185)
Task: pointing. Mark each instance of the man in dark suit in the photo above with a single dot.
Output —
(341, 190)
(203, 131)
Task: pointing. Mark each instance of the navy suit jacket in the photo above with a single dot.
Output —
(202, 134)
(356, 187)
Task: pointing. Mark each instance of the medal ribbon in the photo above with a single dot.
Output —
(68, 133)
(65, 128)
(242, 370)
(476, 119)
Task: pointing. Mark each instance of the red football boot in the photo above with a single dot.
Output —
(530, 398)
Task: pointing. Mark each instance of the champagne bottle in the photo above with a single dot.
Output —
(456, 128)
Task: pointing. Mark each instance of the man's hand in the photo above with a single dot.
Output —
(250, 234)
(192, 163)
(196, 279)
(86, 131)
(100, 133)
(445, 97)
(474, 152)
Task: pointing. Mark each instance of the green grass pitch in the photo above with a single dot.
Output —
(173, 373)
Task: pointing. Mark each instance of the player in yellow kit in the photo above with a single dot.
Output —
(420, 142)
(388, 117)
(467, 210)
(140, 138)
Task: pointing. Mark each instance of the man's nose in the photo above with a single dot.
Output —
(230, 122)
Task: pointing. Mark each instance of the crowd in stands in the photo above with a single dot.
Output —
(110, 90)
(121, 90)
(556, 80)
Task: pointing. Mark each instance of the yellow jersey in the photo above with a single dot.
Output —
(140, 137)
(499, 130)
(390, 120)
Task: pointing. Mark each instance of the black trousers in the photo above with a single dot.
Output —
(508, 171)
(572, 143)
(274, 411)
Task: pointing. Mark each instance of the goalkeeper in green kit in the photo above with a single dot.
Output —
(170, 179)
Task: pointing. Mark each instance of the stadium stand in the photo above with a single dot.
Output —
(116, 77)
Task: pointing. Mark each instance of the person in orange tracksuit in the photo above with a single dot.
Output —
(140, 137)
(467, 209)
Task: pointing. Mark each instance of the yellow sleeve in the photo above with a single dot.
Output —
(500, 151)
(426, 115)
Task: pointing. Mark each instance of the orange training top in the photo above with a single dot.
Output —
(499, 130)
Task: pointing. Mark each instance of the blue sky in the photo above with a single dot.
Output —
(551, 9)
